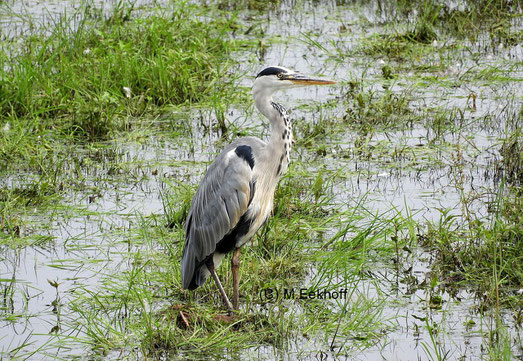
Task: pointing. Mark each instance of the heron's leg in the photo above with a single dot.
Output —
(235, 265)
(210, 266)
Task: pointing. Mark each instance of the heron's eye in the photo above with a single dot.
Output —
(280, 75)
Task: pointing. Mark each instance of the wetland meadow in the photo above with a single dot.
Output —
(396, 234)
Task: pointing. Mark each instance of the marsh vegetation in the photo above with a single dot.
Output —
(404, 189)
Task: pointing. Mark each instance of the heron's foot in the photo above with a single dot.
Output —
(229, 318)
(234, 311)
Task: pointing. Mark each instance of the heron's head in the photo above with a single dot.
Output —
(275, 78)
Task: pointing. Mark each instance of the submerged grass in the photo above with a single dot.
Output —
(369, 110)
(464, 21)
(484, 255)
(432, 36)
(142, 306)
(478, 252)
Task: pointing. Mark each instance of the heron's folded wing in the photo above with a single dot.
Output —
(221, 199)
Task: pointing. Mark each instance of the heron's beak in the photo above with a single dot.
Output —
(299, 79)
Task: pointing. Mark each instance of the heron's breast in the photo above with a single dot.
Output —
(261, 205)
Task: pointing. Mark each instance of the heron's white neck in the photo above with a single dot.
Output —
(263, 100)
(280, 142)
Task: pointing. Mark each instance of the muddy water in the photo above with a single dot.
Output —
(83, 243)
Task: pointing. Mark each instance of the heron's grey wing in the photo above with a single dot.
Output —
(221, 199)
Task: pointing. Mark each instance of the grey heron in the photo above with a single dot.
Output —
(236, 194)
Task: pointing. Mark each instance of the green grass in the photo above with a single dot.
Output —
(512, 158)
(431, 36)
(94, 77)
(139, 308)
(368, 110)
(394, 46)
(483, 255)
(67, 118)
(90, 78)
(467, 21)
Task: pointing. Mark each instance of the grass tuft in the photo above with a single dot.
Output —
(92, 78)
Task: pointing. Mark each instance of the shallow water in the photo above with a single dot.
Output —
(84, 238)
